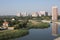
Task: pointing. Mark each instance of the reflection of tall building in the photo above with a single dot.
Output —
(54, 29)
(54, 13)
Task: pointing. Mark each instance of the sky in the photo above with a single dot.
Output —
(12, 7)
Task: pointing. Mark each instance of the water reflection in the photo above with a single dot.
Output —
(54, 29)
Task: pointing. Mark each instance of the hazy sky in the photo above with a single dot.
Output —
(10, 7)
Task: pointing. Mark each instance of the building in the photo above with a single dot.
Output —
(5, 25)
(39, 14)
(18, 14)
(13, 19)
(25, 14)
(49, 14)
(43, 13)
(34, 14)
(54, 13)
(46, 13)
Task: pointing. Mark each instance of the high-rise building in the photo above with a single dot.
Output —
(54, 13)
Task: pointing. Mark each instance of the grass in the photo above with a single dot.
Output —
(37, 25)
(8, 34)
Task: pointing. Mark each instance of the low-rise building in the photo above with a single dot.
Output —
(5, 25)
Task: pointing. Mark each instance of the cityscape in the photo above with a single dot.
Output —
(29, 20)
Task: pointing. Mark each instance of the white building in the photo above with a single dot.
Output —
(44, 13)
(54, 13)
(13, 19)
(5, 25)
(25, 14)
(34, 14)
(19, 14)
(39, 13)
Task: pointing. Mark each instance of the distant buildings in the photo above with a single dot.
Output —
(13, 19)
(54, 13)
(18, 14)
(43, 13)
(22, 14)
(34, 14)
(39, 13)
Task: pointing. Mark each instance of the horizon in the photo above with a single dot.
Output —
(12, 7)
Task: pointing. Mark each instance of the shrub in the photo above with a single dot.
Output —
(8, 34)
(39, 25)
(22, 24)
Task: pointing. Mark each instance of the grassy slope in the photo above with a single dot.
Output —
(8, 34)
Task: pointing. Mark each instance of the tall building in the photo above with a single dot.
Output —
(54, 13)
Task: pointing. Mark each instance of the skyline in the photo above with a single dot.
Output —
(11, 7)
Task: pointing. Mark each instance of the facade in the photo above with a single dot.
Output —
(25, 14)
(5, 25)
(54, 13)
(39, 14)
(43, 13)
(18, 14)
(46, 13)
(34, 14)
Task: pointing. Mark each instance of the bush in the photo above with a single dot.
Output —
(22, 24)
(8, 34)
(40, 25)
(16, 26)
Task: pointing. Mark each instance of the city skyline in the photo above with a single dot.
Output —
(11, 7)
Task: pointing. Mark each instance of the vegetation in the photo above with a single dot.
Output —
(42, 18)
(1, 21)
(8, 34)
(22, 24)
(16, 21)
(31, 24)
(37, 25)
